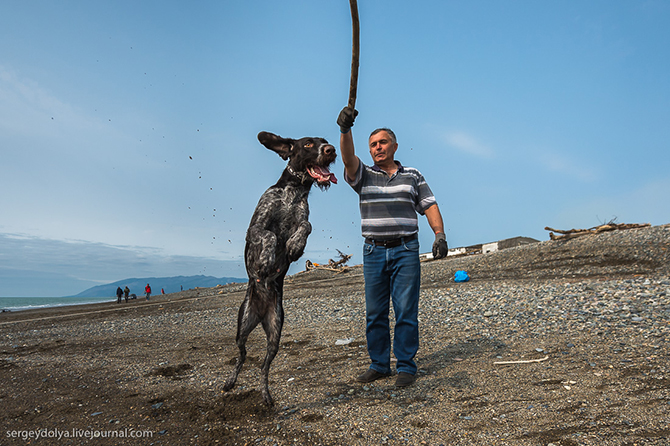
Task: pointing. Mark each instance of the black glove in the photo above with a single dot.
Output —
(346, 119)
(440, 247)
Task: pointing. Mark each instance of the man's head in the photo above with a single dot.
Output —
(383, 145)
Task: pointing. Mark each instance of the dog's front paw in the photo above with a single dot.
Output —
(295, 249)
(295, 245)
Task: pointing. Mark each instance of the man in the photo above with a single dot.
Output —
(390, 196)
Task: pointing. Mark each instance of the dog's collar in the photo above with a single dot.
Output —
(302, 176)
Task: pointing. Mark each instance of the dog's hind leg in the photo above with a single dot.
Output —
(260, 253)
(247, 320)
(272, 324)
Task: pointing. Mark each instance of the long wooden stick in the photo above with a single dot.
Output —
(528, 361)
(355, 51)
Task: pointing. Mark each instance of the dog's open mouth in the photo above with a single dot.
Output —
(321, 174)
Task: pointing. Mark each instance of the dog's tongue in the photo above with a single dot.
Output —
(321, 174)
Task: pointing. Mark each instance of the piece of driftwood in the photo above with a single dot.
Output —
(335, 266)
(572, 233)
(326, 268)
(527, 361)
(344, 258)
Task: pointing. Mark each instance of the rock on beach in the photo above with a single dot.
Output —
(558, 342)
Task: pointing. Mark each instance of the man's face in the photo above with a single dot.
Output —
(382, 148)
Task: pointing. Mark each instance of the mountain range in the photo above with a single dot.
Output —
(168, 284)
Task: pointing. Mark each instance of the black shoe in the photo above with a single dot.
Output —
(370, 375)
(404, 379)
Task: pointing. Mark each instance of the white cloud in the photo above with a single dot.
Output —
(102, 263)
(29, 110)
(574, 167)
(468, 144)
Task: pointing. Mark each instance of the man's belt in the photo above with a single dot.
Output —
(392, 243)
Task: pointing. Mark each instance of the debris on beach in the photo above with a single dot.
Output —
(338, 266)
(611, 226)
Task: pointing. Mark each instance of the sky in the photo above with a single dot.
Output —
(128, 128)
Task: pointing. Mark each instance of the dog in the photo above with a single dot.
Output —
(276, 237)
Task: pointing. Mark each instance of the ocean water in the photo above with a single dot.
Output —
(27, 303)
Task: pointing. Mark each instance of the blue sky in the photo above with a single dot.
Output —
(128, 129)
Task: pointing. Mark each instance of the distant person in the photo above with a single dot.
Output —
(119, 293)
(162, 291)
(182, 287)
(147, 289)
(126, 292)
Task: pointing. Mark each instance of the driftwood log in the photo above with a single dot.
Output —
(572, 233)
(335, 266)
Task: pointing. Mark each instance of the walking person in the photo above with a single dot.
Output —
(119, 293)
(126, 292)
(147, 290)
(390, 196)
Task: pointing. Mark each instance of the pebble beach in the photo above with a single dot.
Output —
(554, 343)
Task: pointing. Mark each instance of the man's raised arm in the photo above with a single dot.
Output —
(351, 162)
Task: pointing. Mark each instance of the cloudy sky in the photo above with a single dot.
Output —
(128, 128)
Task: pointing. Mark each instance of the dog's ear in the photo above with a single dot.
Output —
(283, 146)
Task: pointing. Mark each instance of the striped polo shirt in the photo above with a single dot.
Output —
(389, 205)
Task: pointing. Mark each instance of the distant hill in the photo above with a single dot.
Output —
(169, 284)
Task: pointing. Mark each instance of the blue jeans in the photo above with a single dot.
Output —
(392, 274)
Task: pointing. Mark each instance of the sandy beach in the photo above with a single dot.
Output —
(555, 343)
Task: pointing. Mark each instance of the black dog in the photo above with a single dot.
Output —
(276, 237)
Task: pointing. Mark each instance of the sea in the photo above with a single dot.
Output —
(29, 303)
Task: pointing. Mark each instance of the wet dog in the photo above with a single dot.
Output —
(276, 237)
